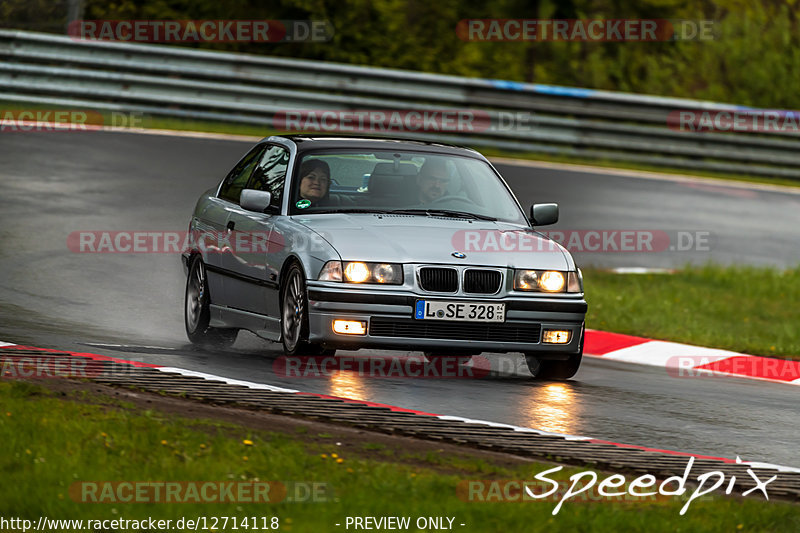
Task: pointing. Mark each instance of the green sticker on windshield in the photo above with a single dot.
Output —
(302, 204)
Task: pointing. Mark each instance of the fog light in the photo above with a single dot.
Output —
(556, 336)
(350, 327)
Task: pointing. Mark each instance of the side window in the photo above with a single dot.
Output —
(237, 178)
(270, 173)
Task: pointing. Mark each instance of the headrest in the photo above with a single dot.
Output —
(388, 180)
(388, 185)
(404, 169)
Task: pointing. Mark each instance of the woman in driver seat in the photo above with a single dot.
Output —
(315, 181)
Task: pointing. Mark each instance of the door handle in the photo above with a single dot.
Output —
(231, 225)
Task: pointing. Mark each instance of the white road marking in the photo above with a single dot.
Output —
(129, 346)
(668, 354)
(779, 468)
(509, 426)
(189, 133)
(642, 270)
(229, 381)
(273, 388)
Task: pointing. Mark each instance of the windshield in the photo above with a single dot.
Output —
(408, 182)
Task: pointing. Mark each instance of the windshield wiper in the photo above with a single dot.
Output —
(443, 213)
(425, 212)
(351, 210)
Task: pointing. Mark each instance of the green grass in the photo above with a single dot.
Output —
(232, 128)
(744, 309)
(235, 128)
(628, 165)
(51, 442)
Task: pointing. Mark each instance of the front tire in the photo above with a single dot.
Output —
(557, 370)
(294, 316)
(550, 369)
(197, 311)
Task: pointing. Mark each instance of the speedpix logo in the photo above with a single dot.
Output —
(615, 488)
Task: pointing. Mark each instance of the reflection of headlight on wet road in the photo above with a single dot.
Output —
(347, 385)
(553, 409)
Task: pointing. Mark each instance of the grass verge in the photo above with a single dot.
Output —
(53, 440)
(744, 309)
(627, 165)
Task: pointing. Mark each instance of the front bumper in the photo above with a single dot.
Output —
(390, 322)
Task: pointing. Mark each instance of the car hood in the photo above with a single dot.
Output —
(420, 239)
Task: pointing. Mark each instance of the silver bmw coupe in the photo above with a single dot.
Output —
(325, 243)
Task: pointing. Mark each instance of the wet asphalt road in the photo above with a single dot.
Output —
(54, 184)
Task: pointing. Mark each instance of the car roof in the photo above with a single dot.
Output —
(308, 142)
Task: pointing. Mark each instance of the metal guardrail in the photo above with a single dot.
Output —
(188, 83)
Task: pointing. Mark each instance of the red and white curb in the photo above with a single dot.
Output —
(687, 361)
(521, 429)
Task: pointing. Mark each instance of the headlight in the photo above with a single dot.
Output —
(526, 280)
(332, 271)
(357, 272)
(546, 281)
(387, 273)
(361, 272)
(551, 281)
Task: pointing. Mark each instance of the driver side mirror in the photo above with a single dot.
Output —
(544, 214)
(254, 200)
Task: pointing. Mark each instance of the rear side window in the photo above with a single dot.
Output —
(237, 178)
(270, 173)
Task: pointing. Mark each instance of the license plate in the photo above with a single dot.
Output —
(460, 311)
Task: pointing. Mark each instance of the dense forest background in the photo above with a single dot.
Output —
(754, 58)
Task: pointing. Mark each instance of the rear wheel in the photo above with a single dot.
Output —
(294, 316)
(197, 311)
